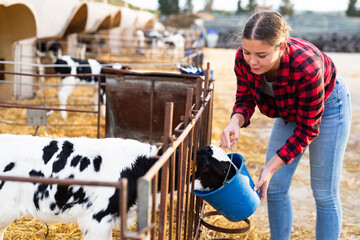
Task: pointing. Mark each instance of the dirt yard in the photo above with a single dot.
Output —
(254, 140)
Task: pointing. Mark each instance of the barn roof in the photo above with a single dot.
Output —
(59, 17)
(54, 19)
(99, 17)
(128, 18)
(144, 20)
(133, 19)
(17, 20)
(115, 15)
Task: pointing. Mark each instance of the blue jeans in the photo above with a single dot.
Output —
(326, 160)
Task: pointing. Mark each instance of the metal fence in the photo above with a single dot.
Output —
(177, 216)
(41, 105)
(179, 211)
(139, 54)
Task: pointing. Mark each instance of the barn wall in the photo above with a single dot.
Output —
(24, 53)
(18, 22)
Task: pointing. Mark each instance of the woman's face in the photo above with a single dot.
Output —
(261, 57)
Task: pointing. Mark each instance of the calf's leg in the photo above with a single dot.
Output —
(102, 103)
(2, 231)
(93, 230)
(64, 92)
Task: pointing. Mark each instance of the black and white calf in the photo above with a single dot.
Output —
(95, 209)
(213, 168)
(76, 66)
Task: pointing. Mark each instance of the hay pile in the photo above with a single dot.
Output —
(28, 228)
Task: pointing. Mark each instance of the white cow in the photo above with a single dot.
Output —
(69, 65)
(176, 43)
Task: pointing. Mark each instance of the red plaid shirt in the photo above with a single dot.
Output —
(306, 78)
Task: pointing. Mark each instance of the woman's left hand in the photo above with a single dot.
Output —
(265, 175)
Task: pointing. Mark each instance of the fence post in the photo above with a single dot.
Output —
(98, 106)
(144, 205)
(123, 206)
(210, 107)
(198, 93)
(169, 109)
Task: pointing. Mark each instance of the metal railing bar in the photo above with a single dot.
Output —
(50, 84)
(45, 108)
(51, 65)
(53, 75)
(62, 182)
(53, 125)
(158, 165)
(87, 65)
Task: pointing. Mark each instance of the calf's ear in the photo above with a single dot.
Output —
(206, 151)
(203, 156)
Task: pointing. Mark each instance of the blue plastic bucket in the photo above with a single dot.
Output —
(212, 37)
(236, 200)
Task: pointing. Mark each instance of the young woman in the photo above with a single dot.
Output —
(292, 81)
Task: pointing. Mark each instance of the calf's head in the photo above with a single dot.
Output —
(212, 168)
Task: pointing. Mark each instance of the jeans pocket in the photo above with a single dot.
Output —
(332, 98)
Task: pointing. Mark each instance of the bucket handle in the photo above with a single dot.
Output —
(220, 229)
(231, 163)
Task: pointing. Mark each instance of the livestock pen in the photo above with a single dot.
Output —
(193, 131)
(162, 52)
(45, 101)
(143, 46)
(30, 81)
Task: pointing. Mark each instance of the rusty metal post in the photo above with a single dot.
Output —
(182, 169)
(198, 93)
(123, 206)
(154, 205)
(172, 188)
(209, 108)
(206, 122)
(151, 110)
(188, 207)
(179, 177)
(169, 108)
(193, 213)
(181, 193)
(189, 100)
(188, 120)
(98, 107)
(207, 78)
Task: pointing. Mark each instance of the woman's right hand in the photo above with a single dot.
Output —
(231, 133)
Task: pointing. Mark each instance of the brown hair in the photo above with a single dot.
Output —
(268, 26)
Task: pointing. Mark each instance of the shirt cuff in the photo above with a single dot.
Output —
(284, 155)
(245, 114)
